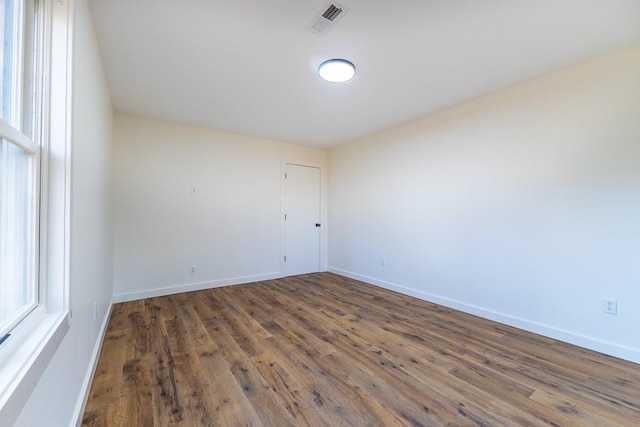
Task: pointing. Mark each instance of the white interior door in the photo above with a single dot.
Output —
(302, 220)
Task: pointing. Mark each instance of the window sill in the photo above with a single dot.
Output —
(24, 357)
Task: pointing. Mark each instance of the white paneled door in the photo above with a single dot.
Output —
(302, 219)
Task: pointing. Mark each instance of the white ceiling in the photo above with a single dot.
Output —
(250, 66)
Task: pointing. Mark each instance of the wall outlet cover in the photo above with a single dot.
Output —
(609, 306)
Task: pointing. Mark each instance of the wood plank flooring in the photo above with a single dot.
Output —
(323, 350)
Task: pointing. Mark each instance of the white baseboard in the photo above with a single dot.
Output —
(93, 364)
(188, 287)
(591, 343)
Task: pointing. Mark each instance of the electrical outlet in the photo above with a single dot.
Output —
(192, 270)
(383, 262)
(609, 306)
(95, 310)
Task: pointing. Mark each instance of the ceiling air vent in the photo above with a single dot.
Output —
(332, 12)
(327, 17)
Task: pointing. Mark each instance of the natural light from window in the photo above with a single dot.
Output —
(19, 161)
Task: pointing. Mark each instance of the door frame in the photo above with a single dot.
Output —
(324, 229)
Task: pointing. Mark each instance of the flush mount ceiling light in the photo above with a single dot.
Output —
(336, 70)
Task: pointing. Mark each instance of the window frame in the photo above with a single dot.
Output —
(27, 98)
(25, 355)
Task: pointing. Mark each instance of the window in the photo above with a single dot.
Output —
(20, 141)
(35, 167)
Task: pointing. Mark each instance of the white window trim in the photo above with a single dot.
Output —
(25, 355)
(18, 138)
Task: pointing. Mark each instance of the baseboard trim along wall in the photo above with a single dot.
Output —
(188, 287)
(612, 349)
(93, 364)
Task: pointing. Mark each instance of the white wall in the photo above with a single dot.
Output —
(230, 229)
(55, 400)
(522, 206)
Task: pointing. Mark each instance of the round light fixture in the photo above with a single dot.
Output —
(336, 70)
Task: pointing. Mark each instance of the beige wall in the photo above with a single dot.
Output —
(230, 229)
(522, 206)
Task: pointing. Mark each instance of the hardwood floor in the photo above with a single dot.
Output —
(323, 350)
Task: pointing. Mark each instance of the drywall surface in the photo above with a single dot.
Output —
(55, 400)
(188, 196)
(522, 206)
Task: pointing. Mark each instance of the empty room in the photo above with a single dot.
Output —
(312, 213)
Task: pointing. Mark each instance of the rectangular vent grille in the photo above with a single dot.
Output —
(332, 13)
